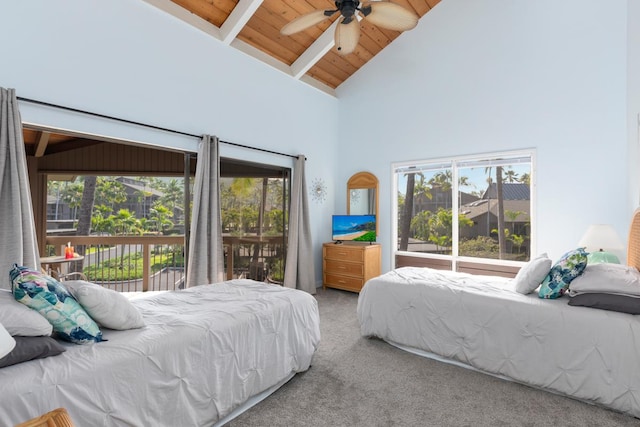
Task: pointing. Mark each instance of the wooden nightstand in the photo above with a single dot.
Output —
(348, 266)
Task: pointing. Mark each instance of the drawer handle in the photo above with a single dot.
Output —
(341, 281)
(342, 267)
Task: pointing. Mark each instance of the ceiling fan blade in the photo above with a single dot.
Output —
(347, 36)
(305, 21)
(390, 16)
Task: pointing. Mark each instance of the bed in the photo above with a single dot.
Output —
(480, 322)
(203, 355)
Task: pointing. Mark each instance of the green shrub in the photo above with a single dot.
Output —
(480, 247)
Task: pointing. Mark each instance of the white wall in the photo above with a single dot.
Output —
(633, 100)
(129, 60)
(492, 75)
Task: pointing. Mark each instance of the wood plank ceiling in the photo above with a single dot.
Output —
(253, 26)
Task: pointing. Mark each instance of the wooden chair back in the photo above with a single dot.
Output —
(56, 418)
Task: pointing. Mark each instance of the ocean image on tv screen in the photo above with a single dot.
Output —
(354, 227)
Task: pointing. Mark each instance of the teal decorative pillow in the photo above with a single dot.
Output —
(567, 268)
(52, 300)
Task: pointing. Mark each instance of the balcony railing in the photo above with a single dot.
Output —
(154, 263)
(126, 263)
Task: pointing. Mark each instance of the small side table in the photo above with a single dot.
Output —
(53, 265)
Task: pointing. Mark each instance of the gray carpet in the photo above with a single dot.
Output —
(355, 381)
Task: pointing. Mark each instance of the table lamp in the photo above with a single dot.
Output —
(600, 240)
(7, 343)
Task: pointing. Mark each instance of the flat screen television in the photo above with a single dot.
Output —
(359, 228)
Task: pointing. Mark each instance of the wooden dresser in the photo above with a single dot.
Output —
(348, 266)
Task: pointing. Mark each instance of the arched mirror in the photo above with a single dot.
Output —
(362, 194)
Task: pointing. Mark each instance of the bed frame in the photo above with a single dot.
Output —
(633, 245)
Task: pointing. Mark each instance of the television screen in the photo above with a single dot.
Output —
(360, 228)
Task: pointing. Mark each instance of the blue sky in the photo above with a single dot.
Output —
(476, 177)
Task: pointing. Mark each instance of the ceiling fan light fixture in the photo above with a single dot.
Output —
(347, 36)
(390, 16)
(347, 33)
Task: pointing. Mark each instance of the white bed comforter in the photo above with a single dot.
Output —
(203, 352)
(590, 354)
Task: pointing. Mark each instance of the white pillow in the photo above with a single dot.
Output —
(532, 274)
(20, 320)
(607, 278)
(107, 307)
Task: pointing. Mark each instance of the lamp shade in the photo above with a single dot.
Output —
(602, 242)
(7, 343)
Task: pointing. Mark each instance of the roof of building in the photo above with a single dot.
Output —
(480, 207)
(510, 191)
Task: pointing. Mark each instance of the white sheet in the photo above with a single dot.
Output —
(591, 354)
(204, 351)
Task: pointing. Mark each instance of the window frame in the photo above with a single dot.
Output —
(454, 163)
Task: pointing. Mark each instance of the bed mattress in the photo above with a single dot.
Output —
(203, 352)
(480, 321)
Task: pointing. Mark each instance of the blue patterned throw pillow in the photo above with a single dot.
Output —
(568, 267)
(51, 299)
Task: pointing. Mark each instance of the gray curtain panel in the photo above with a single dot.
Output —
(300, 267)
(17, 226)
(206, 257)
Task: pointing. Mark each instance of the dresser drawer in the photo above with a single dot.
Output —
(343, 282)
(341, 267)
(344, 253)
(348, 267)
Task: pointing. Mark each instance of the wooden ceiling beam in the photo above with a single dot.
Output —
(314, 53)
(42, 140)
(238, 18)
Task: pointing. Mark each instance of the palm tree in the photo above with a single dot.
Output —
(84, 216)
(99, 219)
(502, 244)
(441, 227)
(420, 225)
(510, 176)
(500, 196)
(441, 182)
(407, 213)
(127, 223)
(72, 195)
(159, 215)
(173, 195)
(110, 193)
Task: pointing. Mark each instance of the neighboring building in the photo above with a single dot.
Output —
(439, 199)
(140, 197)
(484, 212)
(58, 210)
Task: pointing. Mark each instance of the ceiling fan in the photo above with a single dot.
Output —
(381, 13)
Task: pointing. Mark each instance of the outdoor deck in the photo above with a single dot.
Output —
(157, 262)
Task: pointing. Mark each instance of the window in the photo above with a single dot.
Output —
(491, 218)
(254, 202)
(143, 219)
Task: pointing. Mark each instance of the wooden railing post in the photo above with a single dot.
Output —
(229, 261)
(146, 266)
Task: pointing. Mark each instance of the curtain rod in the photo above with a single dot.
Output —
(103, 116)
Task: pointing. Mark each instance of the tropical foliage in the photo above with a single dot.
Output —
(158, 209)
(425, 214)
